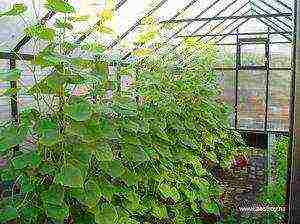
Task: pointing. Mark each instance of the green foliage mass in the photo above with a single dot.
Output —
(104, 160)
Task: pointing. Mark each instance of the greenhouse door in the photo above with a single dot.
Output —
(252, 84)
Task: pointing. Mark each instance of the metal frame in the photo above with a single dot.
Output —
(293, 186)
(228, 17)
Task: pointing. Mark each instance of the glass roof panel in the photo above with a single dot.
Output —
(170, 9)
(130, 12)
(272, 6)
(12, 27)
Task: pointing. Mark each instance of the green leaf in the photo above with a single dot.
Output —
(57, 212)
(106, 215)
(25, 185)
(17, 9)
(60, 6)
(79, 111)
(169, 192)
(114, 168)
(134, 153)
(41, 32)
(93, 47)
(127, 220)
(71, 176)
(27, 159)
(54, 195)
(49, 132)
(30, 212)
(83, 154)
(9, 138)
(63, 24)
(9, 92)
(79, 18)
(10, 75)
(160, 211)
(104, 152)
(8, 214)
(92, 193)
(211, 207)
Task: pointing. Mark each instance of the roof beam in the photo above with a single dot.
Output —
(222, 22)
(234, 29)
(16, 56)
(228, 17)
(186, 25)
(272, 25)
(219, 13)
(263, 10)
(283, 4)
(270, 6)
(233, 34)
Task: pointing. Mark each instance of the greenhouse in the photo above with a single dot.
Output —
(149, 111)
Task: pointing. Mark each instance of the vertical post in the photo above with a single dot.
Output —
(14, 97)
(267, 64)
(237, 67)
(293, 188)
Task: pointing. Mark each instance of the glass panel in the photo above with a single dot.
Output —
(278, 113)
(253, 54)
(253, 25)
(226, 82)
(280, 55)
(251, 91)
(4, 101)
(226, 56)
(130, 13)
(30, 76)
(170, 9)
(271, 3)
(12, 27)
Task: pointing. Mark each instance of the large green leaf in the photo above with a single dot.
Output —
(27, 159)
(93, 47)
(169, 192)
(59, 213)
(60, 6)
(17, 9)
(25, 184)
(159, 211)
(9, 138)
(8, 214)
(30, 212)
(211, 207)
(91, 194)
(41, 32)
(71, 176)
(114, 168)
(104, 152)
(106, 215)
(134, 153)
(49, 132)
(9, 75)
(54, 195)
(63, 24)
(79, 111)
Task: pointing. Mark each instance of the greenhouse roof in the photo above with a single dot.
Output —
(217, 20)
